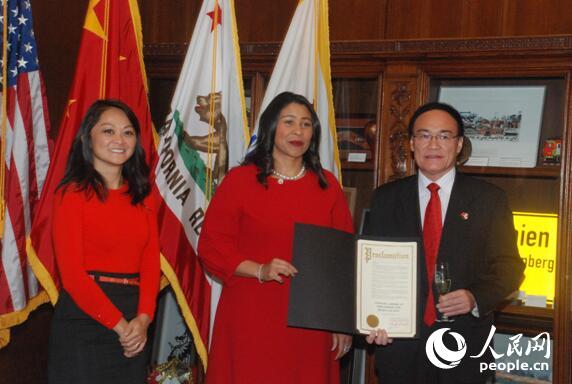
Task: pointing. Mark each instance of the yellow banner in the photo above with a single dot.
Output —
(536, 239)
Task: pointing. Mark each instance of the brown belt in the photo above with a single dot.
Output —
(116, 280)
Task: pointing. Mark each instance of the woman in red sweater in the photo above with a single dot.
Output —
(106, 244)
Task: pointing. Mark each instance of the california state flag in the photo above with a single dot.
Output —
(205, 133)
(303, 67)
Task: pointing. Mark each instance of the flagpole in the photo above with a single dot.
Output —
(104, 49)
(246, 130)
(316, 54)
(209, 178)
(4, 117)
(324, 50)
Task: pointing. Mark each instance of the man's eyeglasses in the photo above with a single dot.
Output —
(426, 137)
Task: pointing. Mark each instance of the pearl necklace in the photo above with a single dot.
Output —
(282, 177)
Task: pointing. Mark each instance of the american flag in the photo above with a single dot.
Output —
(25, 127)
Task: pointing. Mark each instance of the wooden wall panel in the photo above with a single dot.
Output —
(262, 20)
(168, 21)
(399, 101)
(408, 18)
(532, 17)
(482, 18)
(357, 19)
(421, 19)
(257, 20)
(58, 25)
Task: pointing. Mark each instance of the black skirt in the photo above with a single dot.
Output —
(82, 351)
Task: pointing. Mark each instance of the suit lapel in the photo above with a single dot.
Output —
(409, 211)
(458, 213)
(409, 206)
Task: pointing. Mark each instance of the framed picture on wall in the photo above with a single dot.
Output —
(502, 122)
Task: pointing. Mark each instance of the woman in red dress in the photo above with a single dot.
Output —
(107, 251)
(246, 241)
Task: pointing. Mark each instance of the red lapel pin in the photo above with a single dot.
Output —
(464, 215)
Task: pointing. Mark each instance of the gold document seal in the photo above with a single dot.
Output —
(372, 321)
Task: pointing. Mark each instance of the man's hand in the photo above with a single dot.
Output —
(456, 303)
(379, 337)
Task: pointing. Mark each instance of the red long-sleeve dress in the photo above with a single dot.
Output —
(245, 221)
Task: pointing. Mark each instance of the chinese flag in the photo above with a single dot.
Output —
(109, 65)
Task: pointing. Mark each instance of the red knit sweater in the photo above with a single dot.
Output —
(110, 236)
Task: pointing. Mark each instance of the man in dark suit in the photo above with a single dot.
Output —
(460, 220)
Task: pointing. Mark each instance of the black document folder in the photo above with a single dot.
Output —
(323, 293)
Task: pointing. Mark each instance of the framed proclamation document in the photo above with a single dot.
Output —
(354, 284)
(386, 287)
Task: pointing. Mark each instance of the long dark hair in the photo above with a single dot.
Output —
(261, 155)
(80, 170)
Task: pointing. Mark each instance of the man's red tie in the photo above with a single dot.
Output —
(432, 227)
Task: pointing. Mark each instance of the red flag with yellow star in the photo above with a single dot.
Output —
(109, 65)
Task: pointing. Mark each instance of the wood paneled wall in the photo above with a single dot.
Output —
(263, 20)
(421, 19)
(173, 20)
(58, 25)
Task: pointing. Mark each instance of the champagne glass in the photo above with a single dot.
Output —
(443, 284)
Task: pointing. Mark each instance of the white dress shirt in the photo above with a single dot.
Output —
(446, 186)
